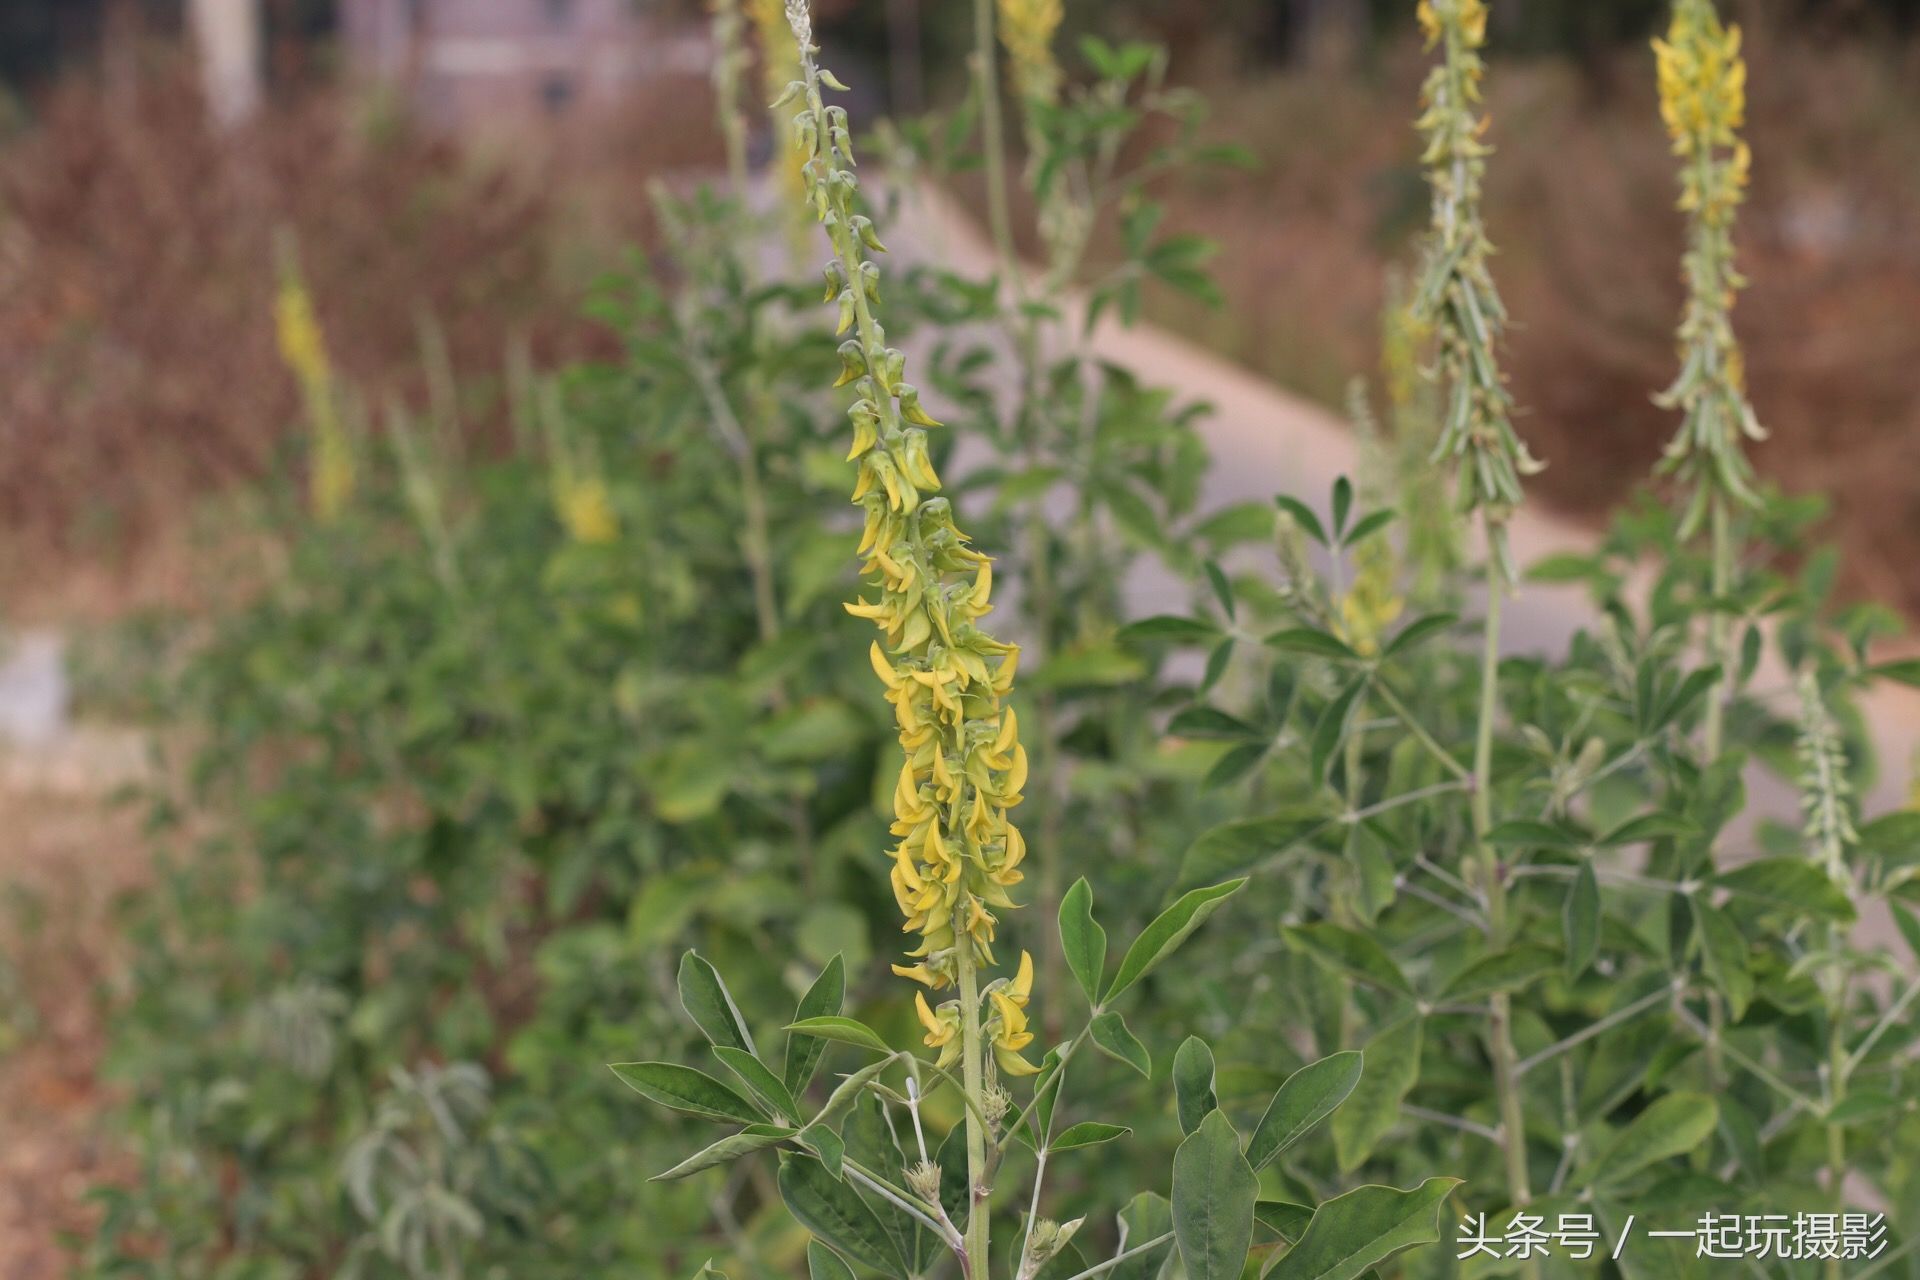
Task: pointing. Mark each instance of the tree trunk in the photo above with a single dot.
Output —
(226, 35)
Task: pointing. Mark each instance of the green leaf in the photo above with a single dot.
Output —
(1354, 1233)
(687, 1091)
(1904, 671)
(1419, 630)
(1307, 1097)
(1673, 1126)
(1169, 628)
(822, 1000)
(1210, 722)
(1285, 1219)
(1193, 1082)
(834, 1212)
(1331, 729)
(1168, 931)
(1238, 847)
(1303, 516)
(1368, 524)
(1110, 1036)
(1148, 1216)
(1088, 1133)
(1313, 642)
(1581, 920)
(1506, 970)
(1908, 924)
(1082, 941)
(1792, 883)
(1648, 826)
(1392, 1065)
(1867, 1108)
(755, 1137)
(1214, 1190)
(707, 1001)
(824, 1264)
(847, 1092)
(1894, 836)
(1521, 831)
(760, 1082)
(1222, 589)
(1724, 950)
(844, 1030)
(1355, 954)
(1342, 504)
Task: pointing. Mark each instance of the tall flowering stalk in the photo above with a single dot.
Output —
(963, 768)
(1457, 299)
(1703, 98)
(330, 475)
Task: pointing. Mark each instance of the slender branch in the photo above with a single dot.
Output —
(1419, 732)
(1445, 904)
(1405, 798)
(1461, 1123)
(906, 1203)
(1623, 1014)
(1887, 1019)
(1118, 1258)
(1766, 1076)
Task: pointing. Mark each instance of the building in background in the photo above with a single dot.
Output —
(502, 61)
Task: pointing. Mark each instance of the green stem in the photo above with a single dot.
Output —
(993, 137)
(1837, 999)
(1513, 1131)
(1717, 628)
(973, 1075)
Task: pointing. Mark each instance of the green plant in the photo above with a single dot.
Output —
(1579, 979)
(858, 1191)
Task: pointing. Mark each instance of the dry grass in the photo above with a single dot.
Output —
(137, 266)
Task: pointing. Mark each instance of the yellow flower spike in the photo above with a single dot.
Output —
(304, 349)
(1703, 101)
(956, 854)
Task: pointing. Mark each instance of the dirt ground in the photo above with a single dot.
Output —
(64, 855)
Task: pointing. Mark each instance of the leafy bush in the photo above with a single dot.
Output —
(511, 735)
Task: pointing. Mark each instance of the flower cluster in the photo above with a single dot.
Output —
(1703, 99)
(1027, 28)
(957, 854)
(303, 347)
(1456, 295)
